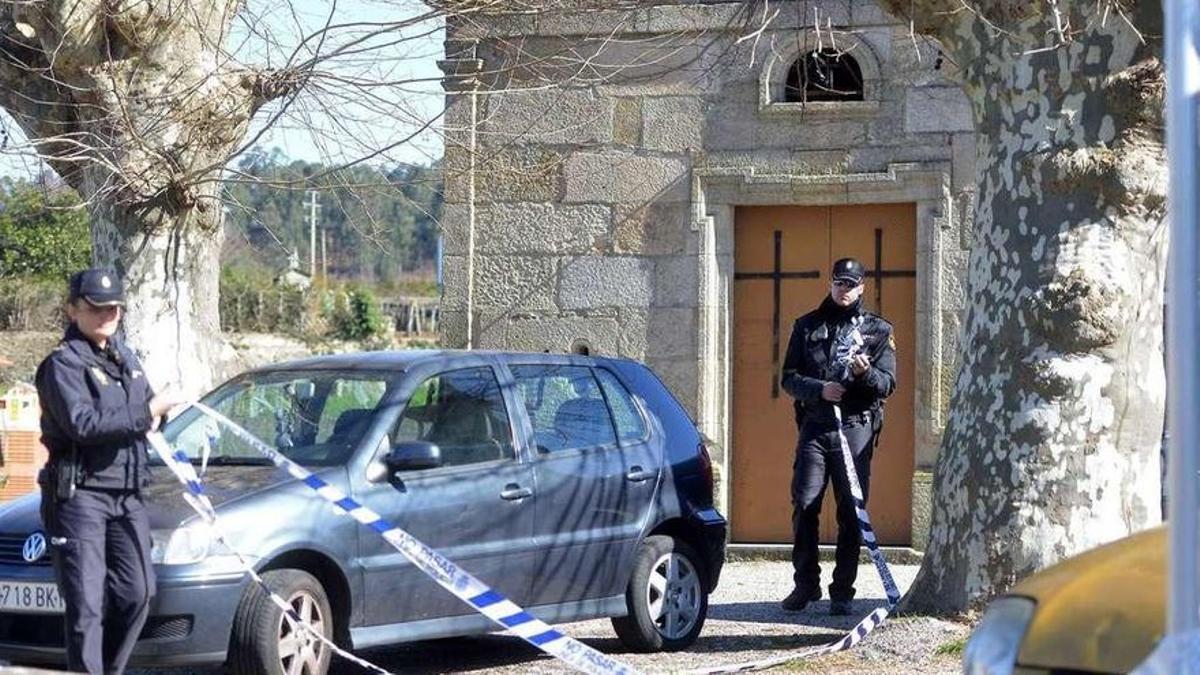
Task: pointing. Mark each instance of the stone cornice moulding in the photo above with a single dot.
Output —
(896, 172)
(910, 181)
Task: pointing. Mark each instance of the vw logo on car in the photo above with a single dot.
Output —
(34, 548)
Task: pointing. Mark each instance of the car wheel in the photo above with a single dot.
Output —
(666, 599)
(264, 641)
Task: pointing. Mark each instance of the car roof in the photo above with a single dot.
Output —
(401, 360)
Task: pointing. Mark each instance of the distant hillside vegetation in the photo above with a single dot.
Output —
(381, 222)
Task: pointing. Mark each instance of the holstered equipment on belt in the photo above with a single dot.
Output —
(65, 474)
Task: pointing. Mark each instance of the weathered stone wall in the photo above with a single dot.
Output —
(611, 147)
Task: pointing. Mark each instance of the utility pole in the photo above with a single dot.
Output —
(324, 254)
(312, 234)
(1182, 62)
(471, 213)
(1176, 652)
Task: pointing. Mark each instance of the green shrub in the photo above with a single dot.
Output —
(356, 315)
(44, 232)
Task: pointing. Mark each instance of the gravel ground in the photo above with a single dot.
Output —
(744, 624)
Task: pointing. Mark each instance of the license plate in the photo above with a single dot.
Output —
(25, 596)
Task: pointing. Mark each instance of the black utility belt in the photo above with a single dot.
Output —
(108, 489)
(851, 420)
(858, 418)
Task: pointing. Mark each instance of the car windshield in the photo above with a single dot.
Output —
(313, 417)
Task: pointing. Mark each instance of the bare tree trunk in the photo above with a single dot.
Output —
(1053, 440)
(173, 319)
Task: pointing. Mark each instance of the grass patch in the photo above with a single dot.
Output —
(952, 648)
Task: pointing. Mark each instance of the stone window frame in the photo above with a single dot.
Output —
(838, 63)
(773, 78)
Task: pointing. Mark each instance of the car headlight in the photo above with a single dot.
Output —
(183, 545)
(993, 647)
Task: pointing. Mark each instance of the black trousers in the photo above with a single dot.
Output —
(101, 546)
(818, 463)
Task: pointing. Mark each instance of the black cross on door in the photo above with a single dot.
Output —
(777, 275)
(879, 274)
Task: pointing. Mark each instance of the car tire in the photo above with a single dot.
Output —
(263, 642)
(666, 597)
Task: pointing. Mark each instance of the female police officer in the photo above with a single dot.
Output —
(96, 409)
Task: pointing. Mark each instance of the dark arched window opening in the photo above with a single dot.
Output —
(825, 75)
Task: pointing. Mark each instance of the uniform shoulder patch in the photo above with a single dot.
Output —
(892, 341)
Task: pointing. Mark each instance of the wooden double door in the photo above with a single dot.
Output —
(782, 259)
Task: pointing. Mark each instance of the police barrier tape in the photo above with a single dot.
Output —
(875, 618)
(481, 597)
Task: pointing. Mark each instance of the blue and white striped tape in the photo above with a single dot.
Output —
(864, 520)
(462, 584)
(872, 620)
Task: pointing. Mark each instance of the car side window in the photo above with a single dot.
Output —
(565, 407)
(463, 413)
(630, 426)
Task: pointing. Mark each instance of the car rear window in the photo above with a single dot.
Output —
(630, 425)
(566, 407)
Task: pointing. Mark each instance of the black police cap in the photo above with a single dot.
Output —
(99, 287)
(848, 269)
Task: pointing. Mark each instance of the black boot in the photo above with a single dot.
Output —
(799, 598)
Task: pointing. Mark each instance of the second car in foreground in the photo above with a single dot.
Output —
(1102, 611)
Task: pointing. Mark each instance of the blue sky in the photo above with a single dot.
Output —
(332, 123)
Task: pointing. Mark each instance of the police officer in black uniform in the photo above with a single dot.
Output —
(96, 409)
(838, 355)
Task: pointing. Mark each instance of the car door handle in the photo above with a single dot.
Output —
(512, 492)
(637, 474)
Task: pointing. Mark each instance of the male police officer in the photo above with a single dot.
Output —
(96, 409)
(839, 355)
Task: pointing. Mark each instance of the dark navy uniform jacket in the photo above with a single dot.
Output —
(98, 401)
(811, 361)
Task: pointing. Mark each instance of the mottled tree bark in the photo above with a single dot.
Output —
(133, 104)
(1052, 444)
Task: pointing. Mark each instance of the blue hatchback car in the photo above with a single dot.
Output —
(577, 486)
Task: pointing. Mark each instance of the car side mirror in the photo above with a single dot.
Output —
(413, 455)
